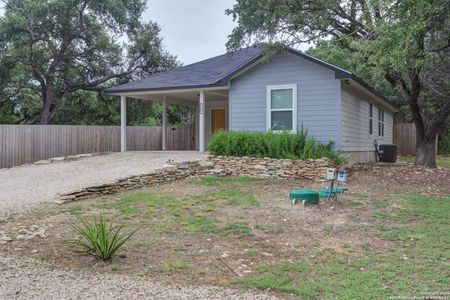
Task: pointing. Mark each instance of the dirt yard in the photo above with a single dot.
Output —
(243, 232)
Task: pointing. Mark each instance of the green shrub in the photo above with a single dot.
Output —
(270, 144)
(100, 239)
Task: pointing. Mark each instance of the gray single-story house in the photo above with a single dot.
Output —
(243, 92)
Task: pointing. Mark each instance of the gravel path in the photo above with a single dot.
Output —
(22, 278)
(24, 187)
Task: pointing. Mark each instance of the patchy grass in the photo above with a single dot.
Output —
(200, 224)
(237, 228)
(270, 229)
(176, 265)
(227, 181)
(417, 263)
(239, 198)
(441, 161)
(75, 210)
(377, 241)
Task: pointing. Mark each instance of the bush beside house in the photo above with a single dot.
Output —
(273, 145)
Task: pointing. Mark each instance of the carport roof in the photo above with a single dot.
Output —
(211, 72)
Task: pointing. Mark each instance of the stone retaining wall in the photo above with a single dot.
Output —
(271, 168)
(217, 166)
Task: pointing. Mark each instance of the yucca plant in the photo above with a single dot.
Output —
(100, 239)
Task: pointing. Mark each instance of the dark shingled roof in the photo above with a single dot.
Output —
(215, 72)
(206, 73)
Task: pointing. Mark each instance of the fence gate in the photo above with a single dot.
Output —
(404, 137)
(181, 138)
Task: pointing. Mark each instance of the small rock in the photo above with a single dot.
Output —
(61, 158)
(5, 238)
(206, 164)
(42, 162)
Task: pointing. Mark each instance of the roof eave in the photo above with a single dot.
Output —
(114, 91)
(371, 90)
(338, 71)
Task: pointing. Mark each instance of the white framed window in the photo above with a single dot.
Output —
(370, 118)
(282, 107)
(380, 122)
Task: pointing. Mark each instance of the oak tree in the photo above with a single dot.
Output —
(59, 47)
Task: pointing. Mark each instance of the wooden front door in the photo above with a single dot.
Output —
(217, 119)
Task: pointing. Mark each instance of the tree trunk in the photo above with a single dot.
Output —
(426, 151)
(44, 118)
(48, 99)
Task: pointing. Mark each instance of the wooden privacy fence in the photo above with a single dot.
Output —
(21, 144)
(404, 136)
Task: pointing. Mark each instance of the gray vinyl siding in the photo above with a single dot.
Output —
(355, 122)
(318, 96)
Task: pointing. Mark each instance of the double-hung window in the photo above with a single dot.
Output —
(282, 107)
(380, 122)
(370, 118)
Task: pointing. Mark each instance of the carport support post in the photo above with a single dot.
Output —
(201, 144)
(164, 122)
(123, 123)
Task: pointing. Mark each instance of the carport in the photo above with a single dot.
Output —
(204, 100)
(203, 85)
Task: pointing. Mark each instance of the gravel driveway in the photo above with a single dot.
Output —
(24, 187)
(22, 278)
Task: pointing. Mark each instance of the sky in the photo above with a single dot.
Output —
(193, 30)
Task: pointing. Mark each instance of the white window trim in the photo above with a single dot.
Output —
(372, 118)
(380, 122)
(293, 109)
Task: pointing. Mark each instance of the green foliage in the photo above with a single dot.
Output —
(100, 239)
(98, 108)
(270, 144)
(50, 50)
(332, 52)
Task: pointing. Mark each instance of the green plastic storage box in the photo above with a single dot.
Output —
(306, 197)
